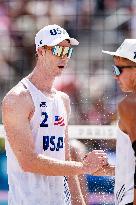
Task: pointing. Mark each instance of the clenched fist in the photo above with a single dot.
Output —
(94, 160)
(106, 170)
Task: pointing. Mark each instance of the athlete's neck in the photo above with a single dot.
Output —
(43, 83)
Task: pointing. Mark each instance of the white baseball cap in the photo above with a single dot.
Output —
(52, 35)
(126, 50)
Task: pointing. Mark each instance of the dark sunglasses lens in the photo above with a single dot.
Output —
(116, 70)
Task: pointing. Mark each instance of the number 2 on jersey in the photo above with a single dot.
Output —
(43, 123)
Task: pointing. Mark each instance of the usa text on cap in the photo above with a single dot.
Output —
(52, 35)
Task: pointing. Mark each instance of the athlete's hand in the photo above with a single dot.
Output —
(105, 170)
(94, 160)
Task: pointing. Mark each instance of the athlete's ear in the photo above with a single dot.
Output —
(41, 51)
(117, 58)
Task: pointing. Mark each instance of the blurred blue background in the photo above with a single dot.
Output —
(3, 175)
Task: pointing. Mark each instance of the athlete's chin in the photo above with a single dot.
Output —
(126, 89)
(58, 73)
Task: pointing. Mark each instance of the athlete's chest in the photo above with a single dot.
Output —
(53, 113)
(48, 112)
(48, 125)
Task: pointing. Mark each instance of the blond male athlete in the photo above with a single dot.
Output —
(124, 70)
(35, 117)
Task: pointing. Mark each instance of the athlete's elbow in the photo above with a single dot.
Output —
(25, 168)
(28, 165)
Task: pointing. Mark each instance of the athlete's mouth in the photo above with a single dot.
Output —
(61, 67)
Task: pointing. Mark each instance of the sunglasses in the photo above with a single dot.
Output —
(117, 70)
(61, 51)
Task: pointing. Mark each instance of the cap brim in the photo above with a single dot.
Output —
(110, 53)
(74, 42)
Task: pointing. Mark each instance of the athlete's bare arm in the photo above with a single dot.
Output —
(17, 109)
(73, 181)
(77, 155)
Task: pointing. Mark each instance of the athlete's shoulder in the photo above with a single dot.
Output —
(127, 111)
(66, 101)
(63, 95)
(17, 97)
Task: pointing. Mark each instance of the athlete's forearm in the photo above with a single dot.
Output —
(44, 165)
(84, 187)
(75, 190)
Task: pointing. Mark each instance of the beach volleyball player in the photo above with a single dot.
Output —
(124, 71)
(35, 117)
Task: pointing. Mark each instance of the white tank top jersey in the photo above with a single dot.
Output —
(48, 128)
(124, 169)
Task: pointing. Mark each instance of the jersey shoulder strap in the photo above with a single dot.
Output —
(31, 89)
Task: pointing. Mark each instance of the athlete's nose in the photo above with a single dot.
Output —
(64, 57)
(115, 77)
